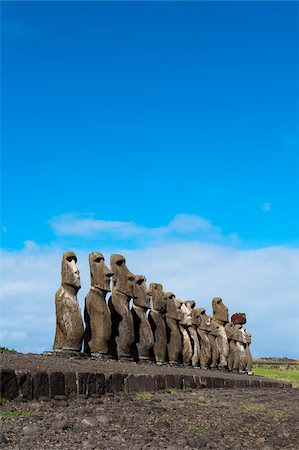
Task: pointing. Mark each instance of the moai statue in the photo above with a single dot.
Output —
(184, 325)
(96, 313)
(157, 322)
(144, 338)
(174, 338)
(203, 332)
(195, 361)
(220, 316)
(213, 335)
(231, 333)
(239, 319)
(69, 324)
(249, 360)
(123, 288)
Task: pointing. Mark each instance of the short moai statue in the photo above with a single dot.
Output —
(123, 290)
(97, 316)
(69, 324)
(239, 319)
(249, 360)
(174, 338)
(213, 335)
(195, 361)
(157, 322)
(184, 325)
(203, 330)
(220, 316)
(144, 339)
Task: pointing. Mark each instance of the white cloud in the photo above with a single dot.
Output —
(266, 207)
(187, 225)
(263, 283)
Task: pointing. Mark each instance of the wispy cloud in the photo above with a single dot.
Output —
(182, 225)
(266, 207)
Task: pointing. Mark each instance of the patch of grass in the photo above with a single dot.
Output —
(3, 400)
(14, 414)
(143, 394)
(5, 349)
(125, 391)
(199, 429)
(171, 390)
(291, 376)
(263, 409)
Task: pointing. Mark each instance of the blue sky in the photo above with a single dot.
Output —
(136, 125)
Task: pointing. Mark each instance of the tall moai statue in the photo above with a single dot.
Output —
(97, 315)
(195, 361)
(220, 316)
(249, 360)
(239, 319)
(184, 325)
(157, 322)
(231, 333)
(144, 339)
(213, 335)
(123, 290)
(69, 324)
(203, 330)
(174, 338)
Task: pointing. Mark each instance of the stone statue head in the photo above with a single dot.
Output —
(99, 273)
(220, 311)
(142, 297)
(186, 311)
(69, 271)
(156, 293)
(205, 320)
(196, 316)
(123, 280)
(240, 333)
(214, 329)
(230, 331)
(173, 306)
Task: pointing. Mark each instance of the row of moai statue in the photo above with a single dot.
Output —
(158, 328)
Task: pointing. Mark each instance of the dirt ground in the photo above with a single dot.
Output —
(206, 418)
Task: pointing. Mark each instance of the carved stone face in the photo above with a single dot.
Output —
(247, 337)
(99, 273)
(230, 330)
(69, 271)
(186, 320)
(240, 333)
(156, 292)
(142, 297)
(123, 280)
(220, 311)
(196, 316)
(214, 330)
(173, 307)
(205, 320)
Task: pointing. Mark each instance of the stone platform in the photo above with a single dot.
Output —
(33, 376)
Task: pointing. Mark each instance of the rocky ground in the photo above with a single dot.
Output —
(207, 418)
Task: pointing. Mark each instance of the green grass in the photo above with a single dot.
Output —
(14, 414)
(291, 376)
(5, 349)
(2, 400)
(199, 429)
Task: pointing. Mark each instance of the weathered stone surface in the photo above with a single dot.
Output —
(8, 384)
(157, 322)
(96, 384)
(144, 339)
(203, 330)
(69, 324)
(140, 383)
(96, 313)
(238, 318)
(57, 385)
(160, 382)
(82, 382)
(220, 316)
(40, 385)
(122, 320)
(115, 382)
(174, 338)
(191, 382)
(70, 379)
(25, 383)
(249, 360)
(174, 381)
